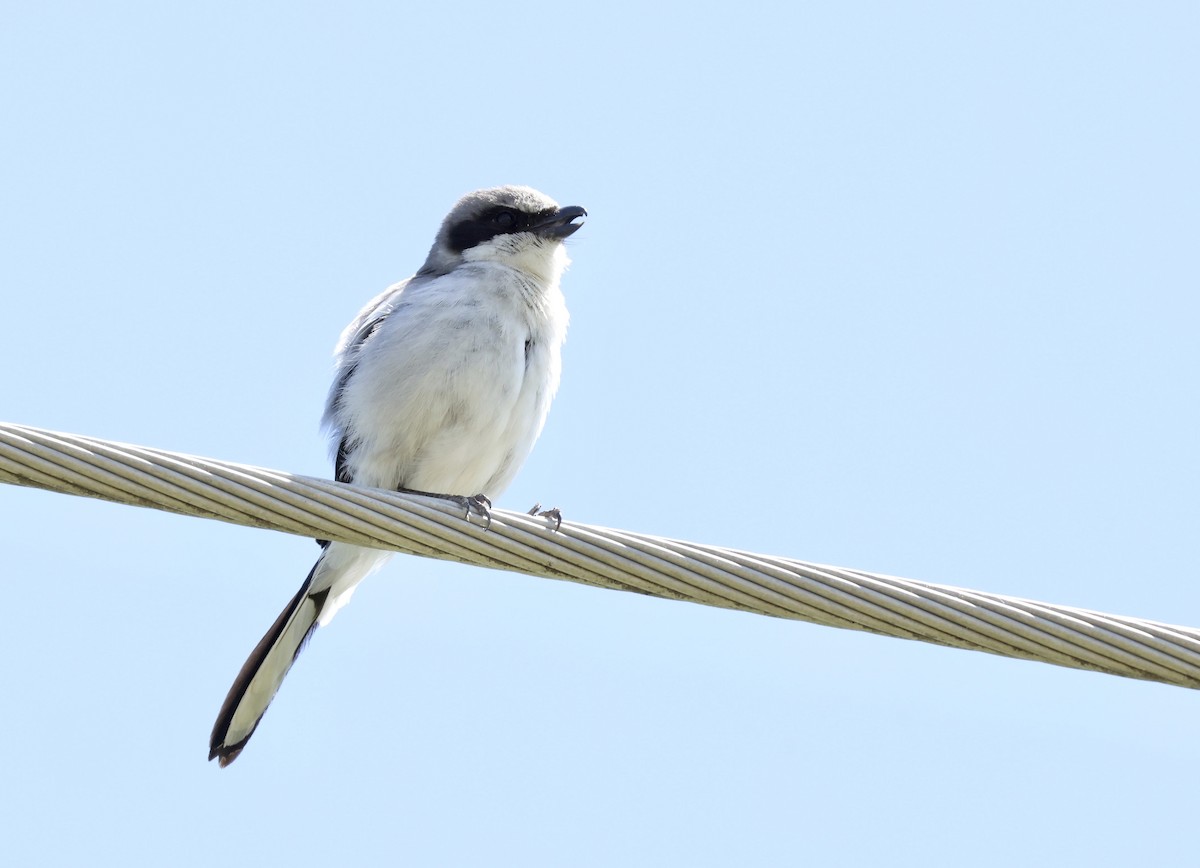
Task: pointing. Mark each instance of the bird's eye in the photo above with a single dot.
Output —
(505, 220)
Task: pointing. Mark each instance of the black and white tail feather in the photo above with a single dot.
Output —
(263, 672)
(443, 383)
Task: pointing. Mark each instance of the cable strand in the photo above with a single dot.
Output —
(601, 557)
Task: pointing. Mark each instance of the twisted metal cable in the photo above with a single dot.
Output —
(781, 587)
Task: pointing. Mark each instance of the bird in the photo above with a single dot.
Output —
(441, 386)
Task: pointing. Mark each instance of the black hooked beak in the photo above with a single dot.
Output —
(558, 223)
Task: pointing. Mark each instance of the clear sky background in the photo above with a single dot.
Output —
(901, 287)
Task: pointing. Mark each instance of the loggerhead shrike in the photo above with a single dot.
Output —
(442, 386)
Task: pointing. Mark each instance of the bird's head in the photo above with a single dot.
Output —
(515, 226)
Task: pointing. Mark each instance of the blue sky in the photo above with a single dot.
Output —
(901, 287)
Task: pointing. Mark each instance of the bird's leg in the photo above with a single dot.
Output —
(476, 504)
(553, 512)
(479, 505)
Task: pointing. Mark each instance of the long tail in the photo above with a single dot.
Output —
(263, 672)
(328, 587)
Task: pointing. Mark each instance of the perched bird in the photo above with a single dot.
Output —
(442, 385)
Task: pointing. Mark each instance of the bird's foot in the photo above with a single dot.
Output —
(476, 504)
(553, 512)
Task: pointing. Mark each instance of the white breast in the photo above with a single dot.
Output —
(444, 396)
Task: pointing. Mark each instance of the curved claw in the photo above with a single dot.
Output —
(553, 512)
(477, 504)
